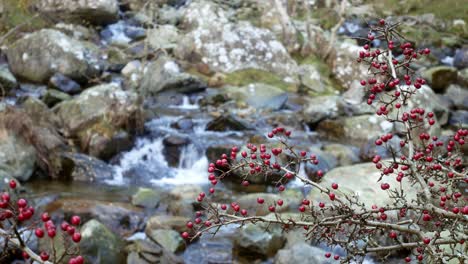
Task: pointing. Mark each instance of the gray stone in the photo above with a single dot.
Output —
(37, 56)
(163, 37)
(319, 108)
(64, 84)
(300, 254)
(17, 158)
(461, 58)
(173, 146)
(99, 244)
(311, 79)
(259, 96)
(95, 11)
(164, 74)
(82, 167)
(440, 77)
(459, 118)
(177, 223)
(253, 239)
(145, 197)
(168, 239)
(53, 97)
(7, 80)
(347, 72)
(227, 123)
(458, 95)
(147, 252)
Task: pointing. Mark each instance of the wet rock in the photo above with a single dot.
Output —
(459, 118)
(345, 155)
(459, 96)
(97, 12)
(64, 84)
(102, 119)
(259, 96)
(361, 179)
(440, 77)
(226, 123)
(231, 47)
(319, 108)
(299, 254)
(81, 167)
(326, 163)
(311, 79)
(168, 239)
(7, 80)
(355, 129)
(121, 34)
(369, 150)
(78, 32)
(163, 37)
(17, 157)
(146, 197)
(463, 77)
(460, 59)
(173, 146)
(183, 198)
(249, 202)
(37, 56)
(254, 240)
(164, 74)
(147, 252)
(99, 244)
(185, 124)
(176, 223)
(53, 97)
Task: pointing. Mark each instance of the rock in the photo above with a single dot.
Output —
(231, 47)
(185, 124)
(256, 241)
(259, 96)
(458, 95)
(460, 59)
(53, 97)
(369, 150)
(131, 68)
(459, 118)
(345, 155)
(81, 167)
(147, 252)
(78, 32)
(101, 119)
(173, 146)
(355, 129)
(227, 123)
(440, 77)
(326, 163)
(145, 197)
(7, 80)
(319, 108)
(121, 34)
(99, 244)
(463, 77)
(163, 37)
(64, 84)
(299, 254)
(361, 179)
(249, 202)
(17, 158)
(347, 72)
(168, 239)
(94, 11)
(164, 74)
(176, 223)
(183, 198)
(37, 56)
(311, 79)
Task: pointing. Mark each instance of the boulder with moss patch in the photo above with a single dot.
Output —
(99, 244)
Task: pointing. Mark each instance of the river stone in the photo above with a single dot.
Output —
(168, 239)
(259, 96)
(148, 252)
(326, 162)
(299, 254)
(249, 202)
(347, 72)
(458, 95)
(440, 77)
(319, 108)
(460, 59)
(173, 146)
(459, 118)
(345, 155)
(81, 167)
(463, 77)
(53, 97)
(163, 37)
(94, 11)
(101, 119)
(254, 240)
(355, 129)
(177, 223)
(7, 80)
(146, 197)
(361, 179)
(64, 84)
(165, 74)
(230, 47)
(17, 158)
(226, 123)
(37, 56)
(99, 244)
(311, 79)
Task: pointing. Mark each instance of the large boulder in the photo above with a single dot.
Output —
(458, 96)
(347, 72)
(259, 240)
(81, 167)
(37, 56)
(94, 11)
(164, 74)
(101, 119)
(440, 77)
(299, 254)
(17, 158)
(230, 47)
(147, 252)
(99, 244)
(259, 96)
(321, 107)
(168, 239)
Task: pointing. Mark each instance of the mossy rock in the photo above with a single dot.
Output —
(248, 76)
(146, 197)
(168, 239)
(17, 12)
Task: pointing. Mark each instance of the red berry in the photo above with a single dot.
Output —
(328, 255)
(426, 240)
(44, 256)
(12, 184)
(45, 217)
(271, 208)
(51, 232)
(302, 208)
(75, 220)
(185, 235)
(76, 237)
(393, 234)
(39, 232)
(70, 230)
(334, 186)
(25, 255)
(331, 196)
(260, 200)
(408, 259)
(22, 203)
(321, 205)
(280, 202)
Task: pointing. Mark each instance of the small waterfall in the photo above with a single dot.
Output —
(186, 104)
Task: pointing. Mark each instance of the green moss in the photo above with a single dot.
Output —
(17, 12)
(245, 77)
